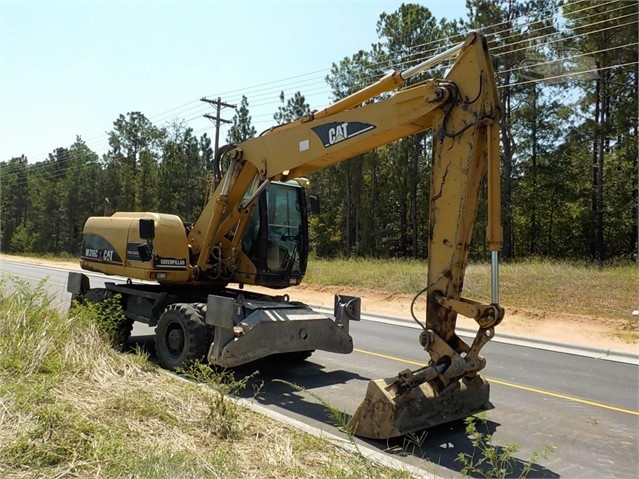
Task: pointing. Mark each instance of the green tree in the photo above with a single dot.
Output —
(512, 27)
(609, 105)
(24, 239)
(80, 194)
(349, 205)
(135, 144)
(45, 218)
(14, 198)
(291, 109)
(182, 173)
(241, 128)
(408, 35)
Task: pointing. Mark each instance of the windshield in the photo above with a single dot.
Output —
(283, 227)
(280, 238)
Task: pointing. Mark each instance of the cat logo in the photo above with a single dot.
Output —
(332, 133)
(339, 133)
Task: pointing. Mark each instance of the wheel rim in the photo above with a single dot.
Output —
(175, 340)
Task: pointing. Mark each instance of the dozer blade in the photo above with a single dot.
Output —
(383, 414)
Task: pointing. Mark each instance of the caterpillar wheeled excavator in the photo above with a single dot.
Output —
(253, 231)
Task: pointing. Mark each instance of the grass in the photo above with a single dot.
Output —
(541, 286)
(72, 406)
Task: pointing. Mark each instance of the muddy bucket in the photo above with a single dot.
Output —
(384, 414)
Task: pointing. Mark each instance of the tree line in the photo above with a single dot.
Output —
(567, 74)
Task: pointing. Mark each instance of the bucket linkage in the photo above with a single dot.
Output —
(447, 389)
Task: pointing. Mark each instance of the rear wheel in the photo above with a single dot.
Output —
(180, 337)
(111, 321)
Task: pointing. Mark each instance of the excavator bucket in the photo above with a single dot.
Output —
(384, 414)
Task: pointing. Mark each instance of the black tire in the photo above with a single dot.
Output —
(180, 337)
(210, 330)
(97, 295)
(118, 331)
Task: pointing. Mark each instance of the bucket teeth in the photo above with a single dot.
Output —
(384, 414)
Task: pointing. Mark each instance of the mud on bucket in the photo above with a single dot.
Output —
(384, 414)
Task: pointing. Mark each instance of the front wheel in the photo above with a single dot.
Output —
(180, 337)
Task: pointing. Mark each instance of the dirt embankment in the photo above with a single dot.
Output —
(562, 327)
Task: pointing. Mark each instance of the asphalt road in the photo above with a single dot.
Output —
(587, 408)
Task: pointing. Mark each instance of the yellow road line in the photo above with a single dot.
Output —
(392, 358)
(563, 396)
(517, 386)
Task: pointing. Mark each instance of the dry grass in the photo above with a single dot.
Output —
(544, 286)
(71, 406)
(538, 286)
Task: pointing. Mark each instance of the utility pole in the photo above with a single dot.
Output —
(217, 120)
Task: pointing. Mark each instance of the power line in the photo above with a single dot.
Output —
(569, 75)
(252, 91)
(550, 62)
(163, 114)
(264, 92)
(489, 32)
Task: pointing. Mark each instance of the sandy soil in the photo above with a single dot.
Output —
(566, 328)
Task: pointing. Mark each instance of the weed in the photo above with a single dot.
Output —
(411, 444)
(224, 412)
(535, 285)
(56, 435)
(628, 331)
(27, 313)
(491, 461)
(105, 310)
(363, 467)
(338, 418)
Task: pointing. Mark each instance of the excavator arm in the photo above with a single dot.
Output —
(462, 110)
(465, 100)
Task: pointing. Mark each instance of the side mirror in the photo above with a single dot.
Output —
(314, 203)
(147, 228)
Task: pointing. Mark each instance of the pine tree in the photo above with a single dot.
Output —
(134, 152)
(241, 128)
(610, 103)
(291, 109)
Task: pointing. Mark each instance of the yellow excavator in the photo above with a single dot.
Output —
(253, 231)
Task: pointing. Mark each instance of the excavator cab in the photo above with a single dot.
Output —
(276, 237)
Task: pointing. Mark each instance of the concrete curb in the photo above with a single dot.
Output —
(353, 447)
(508, 338)
(350, 446)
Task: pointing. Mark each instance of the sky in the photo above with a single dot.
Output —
(70, 68)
